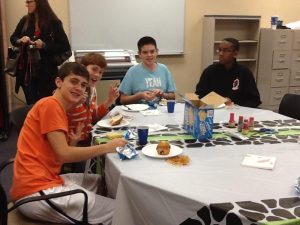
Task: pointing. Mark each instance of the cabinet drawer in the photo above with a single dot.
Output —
(281, 59)
(295, 77)
(294, 90)
(280, 78)
(282, 39)
(295, 59)
(277, 94)
(296, 39)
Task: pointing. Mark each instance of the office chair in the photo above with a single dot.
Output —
(18, 116)
(9, 214)
(290, 106)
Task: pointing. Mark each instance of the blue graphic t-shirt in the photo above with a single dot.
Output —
(139, 79)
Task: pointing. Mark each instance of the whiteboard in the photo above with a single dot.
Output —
(119, 24)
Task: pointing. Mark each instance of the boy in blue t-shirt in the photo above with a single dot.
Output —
(148, 80)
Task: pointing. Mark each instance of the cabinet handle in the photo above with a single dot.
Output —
(297, 78)
(297, 60)
(279, 79)
(282, 42)
(277, 98)
(281, 60)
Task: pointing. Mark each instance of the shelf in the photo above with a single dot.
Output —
(239, 60)
(241, 42)
(239, 17)
(243, 28)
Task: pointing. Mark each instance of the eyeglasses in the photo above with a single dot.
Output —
(29, 1)
(224, 50)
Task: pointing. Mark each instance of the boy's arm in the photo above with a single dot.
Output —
(67, 153)
(113, 94)
(169, 95)
(75, 134)
(135, 98)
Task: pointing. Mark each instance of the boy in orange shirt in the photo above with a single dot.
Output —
(43, 148)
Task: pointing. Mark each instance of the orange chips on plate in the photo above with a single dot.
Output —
(180, 160)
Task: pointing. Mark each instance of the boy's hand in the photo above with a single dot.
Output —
(229, 102)
(158, 92)
(148, 95)
(75, 135)
(118, 142)
(84, 97)
(113, 93)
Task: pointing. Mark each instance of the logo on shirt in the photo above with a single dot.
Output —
(153, 82)
(236, 84)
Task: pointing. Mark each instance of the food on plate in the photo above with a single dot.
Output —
(163, 148)
(113, 135)
(116, 120)
(180, 160)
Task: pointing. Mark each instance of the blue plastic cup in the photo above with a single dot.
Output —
(171, 105)
(274, 20)
(142, 134)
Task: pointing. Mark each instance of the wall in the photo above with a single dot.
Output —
(187, 68)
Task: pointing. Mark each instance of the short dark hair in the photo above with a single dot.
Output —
(69, 68)
(93, 58)
(235, 43)
(146, 41)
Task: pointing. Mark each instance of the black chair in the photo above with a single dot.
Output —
(18, 116)
(17, 218)
(290, 106)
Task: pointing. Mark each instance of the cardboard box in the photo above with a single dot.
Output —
(214, 99)
(198, 117)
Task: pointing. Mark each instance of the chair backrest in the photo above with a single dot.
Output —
(3, 206)
(3, 191)
(18, 116)
(6, 212)
(290, 106)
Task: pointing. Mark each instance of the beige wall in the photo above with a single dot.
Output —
(187, 68)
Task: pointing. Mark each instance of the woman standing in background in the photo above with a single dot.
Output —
(40, 36)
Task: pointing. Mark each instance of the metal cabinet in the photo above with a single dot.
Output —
(278, 66)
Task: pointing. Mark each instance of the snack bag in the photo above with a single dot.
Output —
(127, 152)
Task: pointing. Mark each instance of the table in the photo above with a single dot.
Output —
(214, 188)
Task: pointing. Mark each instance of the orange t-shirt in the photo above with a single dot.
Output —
(36, 166)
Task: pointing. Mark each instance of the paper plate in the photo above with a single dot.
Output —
(105, 123)
(135, 107)
(150, 150)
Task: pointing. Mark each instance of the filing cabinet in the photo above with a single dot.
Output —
(278, 66)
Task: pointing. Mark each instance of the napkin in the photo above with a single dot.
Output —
(258, 161)
(156, 127)
(152, 112)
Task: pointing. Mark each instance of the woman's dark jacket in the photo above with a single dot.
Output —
(45, 71)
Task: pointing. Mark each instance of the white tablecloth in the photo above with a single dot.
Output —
(152, 191)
